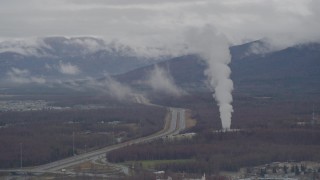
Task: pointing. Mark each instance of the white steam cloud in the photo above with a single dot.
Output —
(214, 49)
(161, 81)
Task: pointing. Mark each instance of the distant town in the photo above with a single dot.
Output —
(37, 105)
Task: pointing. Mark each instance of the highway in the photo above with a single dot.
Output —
(175, 123)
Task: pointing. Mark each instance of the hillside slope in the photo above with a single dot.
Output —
(296, 68)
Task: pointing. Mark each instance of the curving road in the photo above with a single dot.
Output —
(173, 125)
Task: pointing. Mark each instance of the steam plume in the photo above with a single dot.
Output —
(214, 49)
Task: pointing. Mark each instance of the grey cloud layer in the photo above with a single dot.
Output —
(161, 23)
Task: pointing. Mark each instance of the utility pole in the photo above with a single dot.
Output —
(21, 155)
(140, 128)
(73, 149)
(313, 117)
(113, 136)
(313, 120)
(73, 142)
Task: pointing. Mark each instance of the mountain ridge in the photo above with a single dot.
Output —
(295, 67)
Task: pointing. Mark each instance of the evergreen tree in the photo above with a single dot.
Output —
(274, 170)
(285, 169)
(297, 171)
(292, 169)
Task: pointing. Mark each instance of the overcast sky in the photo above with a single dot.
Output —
(151, 22)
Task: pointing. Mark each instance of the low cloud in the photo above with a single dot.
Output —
(26, 46)
(117, 89)
(108, 85)
(68, 68)
(161, 81)
(265, 46)
(86, 44)
(23, 76)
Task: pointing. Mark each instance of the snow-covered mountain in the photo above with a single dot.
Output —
(48, 58)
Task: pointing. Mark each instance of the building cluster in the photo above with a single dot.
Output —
(179, 137)
(160, 175)
(283, 171)
(26, 105)
(313, 121)
(37, 105)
